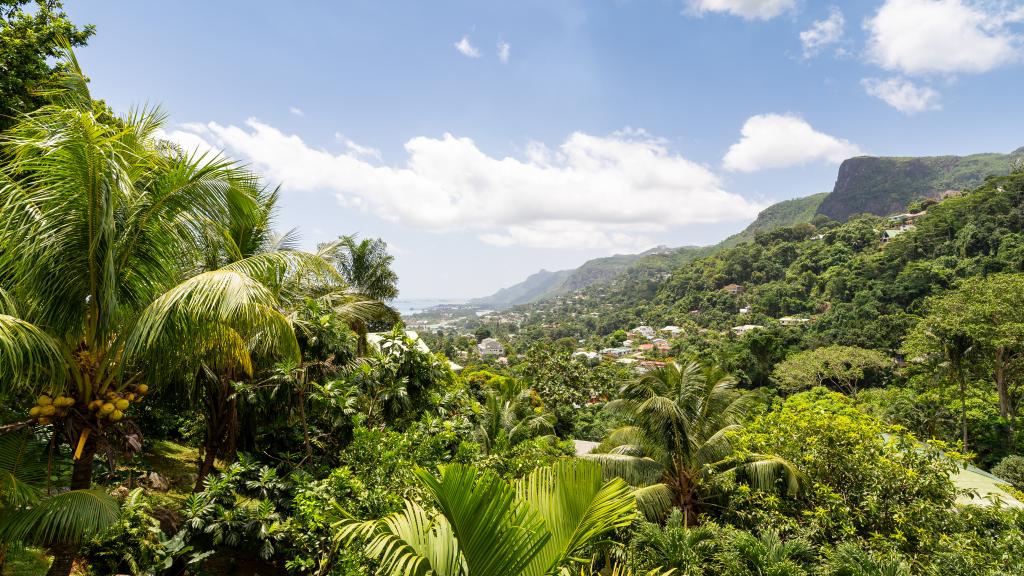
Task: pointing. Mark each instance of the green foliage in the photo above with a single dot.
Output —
(29, 41)
(1011, 469)
(678, 433)
(675, 545)
(846, 368)
(865, 479)
(485, 526)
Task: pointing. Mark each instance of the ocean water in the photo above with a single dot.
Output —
(408, 306)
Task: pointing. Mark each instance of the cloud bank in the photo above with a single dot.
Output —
(614, 192)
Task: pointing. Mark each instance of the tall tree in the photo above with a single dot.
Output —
(984, 315)
(99, 228)
(680, 420)
(29, 44)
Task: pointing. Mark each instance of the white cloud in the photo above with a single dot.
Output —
(504, 51)
(780, 140)
(823, 32)
(903, 94)
(295, 111)
(747, 9)
(466, 48)
(943, 36)
(357, 150)
(613, 192)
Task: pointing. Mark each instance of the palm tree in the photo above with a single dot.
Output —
(768, 554)
(366, 267)
(99, 230)
(676, 545)
(681, 418)
(487, 527)
(509, 415)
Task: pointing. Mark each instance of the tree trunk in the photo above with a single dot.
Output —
(1005, 407)
(81, 479)
(206, 467)
(963, 409)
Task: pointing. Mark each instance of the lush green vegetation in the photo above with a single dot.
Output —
(185, 392)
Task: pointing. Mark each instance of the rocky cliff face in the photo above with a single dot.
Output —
(885, 185)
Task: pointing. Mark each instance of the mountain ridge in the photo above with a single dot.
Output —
(879, 185)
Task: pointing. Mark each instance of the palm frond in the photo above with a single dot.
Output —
(654, 501)
(67, 518)
(29, 355)
(181, 324)
(635, 471)
(578, 507)
(497, 533)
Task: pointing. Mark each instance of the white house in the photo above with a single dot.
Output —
(644, 331)
(489, 347)
(671, 330)
(741, 330)
(793, 321)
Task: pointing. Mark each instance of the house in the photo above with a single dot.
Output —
(733, 289)
(793, 321)
(744, 310)
(671, 330)
(741, 330)
(647, 347)
(888, 235)
(586, 354)
(616, 352)
(642, 332)
(489, 347)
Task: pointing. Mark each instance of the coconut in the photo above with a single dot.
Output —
(143, 388)
(47, 410)
(116, 415)
(121, 404)
(95, 404)
(44, 400)
(34, 411)
(44, 421)
(107, 408)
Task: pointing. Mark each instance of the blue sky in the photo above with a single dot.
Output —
(484, 140)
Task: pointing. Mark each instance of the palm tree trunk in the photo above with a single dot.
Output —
(206, 467)
(81, 479)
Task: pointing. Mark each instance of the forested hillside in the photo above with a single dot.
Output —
(885, 185)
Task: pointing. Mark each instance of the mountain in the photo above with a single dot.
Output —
(545, 284)
(885, 185)
(785, 213)
(535, 287)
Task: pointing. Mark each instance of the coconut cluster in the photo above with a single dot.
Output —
(48, 407)
(110, 407)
